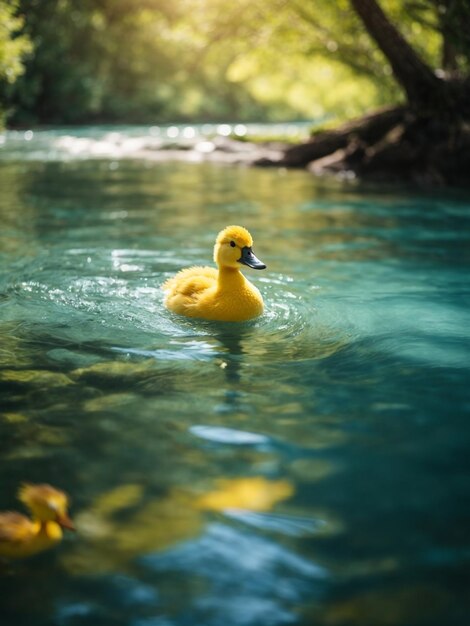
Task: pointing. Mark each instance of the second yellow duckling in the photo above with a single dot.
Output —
(21, 536)
(223, 295)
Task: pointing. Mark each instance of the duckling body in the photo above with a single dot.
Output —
(222, 295)
(21, 536)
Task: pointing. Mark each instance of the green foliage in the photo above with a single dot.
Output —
(168, 60)
(12, 47)
(119, 60)
(88, 60)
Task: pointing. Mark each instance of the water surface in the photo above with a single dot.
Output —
(308, 467)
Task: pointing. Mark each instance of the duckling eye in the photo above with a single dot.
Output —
(233, 244)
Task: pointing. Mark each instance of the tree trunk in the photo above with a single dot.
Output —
(448, 57)
(424, 90)
(447, 12)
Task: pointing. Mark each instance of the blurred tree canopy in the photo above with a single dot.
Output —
(161, 60)
(12, 45)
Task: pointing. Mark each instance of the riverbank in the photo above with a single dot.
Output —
(388, 146)
(391, 145)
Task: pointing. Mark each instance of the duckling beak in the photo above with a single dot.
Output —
(65, 521)
(248, 258)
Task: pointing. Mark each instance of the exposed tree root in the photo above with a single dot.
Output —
(393, 144)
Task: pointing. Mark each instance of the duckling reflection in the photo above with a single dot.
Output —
(232, 343)
(121, 525)
(252, 494)
(21, 536)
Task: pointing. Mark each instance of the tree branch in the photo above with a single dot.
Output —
(419, 82)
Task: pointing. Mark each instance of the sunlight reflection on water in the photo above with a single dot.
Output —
(185, 142)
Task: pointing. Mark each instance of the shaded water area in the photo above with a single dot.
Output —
(309, 467)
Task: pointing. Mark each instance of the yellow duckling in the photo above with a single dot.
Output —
(21, 536)
(223, 295)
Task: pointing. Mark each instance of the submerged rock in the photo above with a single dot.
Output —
(35, 378)
(114, 371)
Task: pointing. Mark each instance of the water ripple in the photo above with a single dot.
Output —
(293, 325)
(250, 580)
(121, 290)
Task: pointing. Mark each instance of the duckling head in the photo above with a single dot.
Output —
(46, 503)
(233, 247)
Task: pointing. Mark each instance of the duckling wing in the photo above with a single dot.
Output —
(15, 528)
(184, 290)
(191, 281)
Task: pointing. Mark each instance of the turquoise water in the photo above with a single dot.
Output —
(309, 467)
